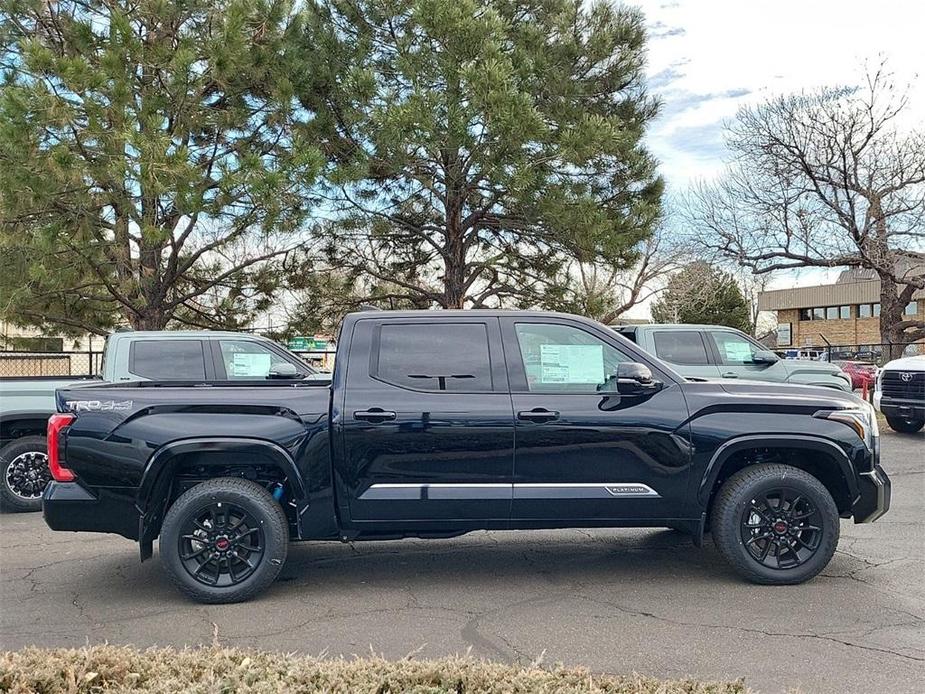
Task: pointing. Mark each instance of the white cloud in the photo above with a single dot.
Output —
(709, 57)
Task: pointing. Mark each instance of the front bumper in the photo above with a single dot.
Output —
(70, 506)
(901, 407)
(875, 492)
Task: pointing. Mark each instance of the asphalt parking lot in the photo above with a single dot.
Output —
(612, 600)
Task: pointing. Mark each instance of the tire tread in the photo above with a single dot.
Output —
(279, 527)
(725, 524)
(10, 502)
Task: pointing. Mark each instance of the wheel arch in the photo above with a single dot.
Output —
(155, 491)
(15, 425)
(823, 459)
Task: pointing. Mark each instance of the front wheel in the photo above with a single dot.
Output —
(224, 540)
(775, 524)
(24, 474)
(905, 425)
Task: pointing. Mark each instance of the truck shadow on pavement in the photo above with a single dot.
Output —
(561, 556)
(498, 559)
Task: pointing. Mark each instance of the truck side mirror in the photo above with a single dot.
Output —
(283, 370)
(634, 378)
(764, 356)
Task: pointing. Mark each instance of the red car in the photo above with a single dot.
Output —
(861, 373)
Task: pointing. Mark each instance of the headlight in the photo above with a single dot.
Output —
(862, 419)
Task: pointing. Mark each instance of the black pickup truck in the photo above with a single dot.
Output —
(439, 423)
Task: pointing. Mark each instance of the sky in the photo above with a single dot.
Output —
(708, 58)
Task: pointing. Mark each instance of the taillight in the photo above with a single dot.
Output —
(56, 424)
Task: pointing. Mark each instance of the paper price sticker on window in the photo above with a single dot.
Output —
(572, 364)
(248, 364)
(738, 351)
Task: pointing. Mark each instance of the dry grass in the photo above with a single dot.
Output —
(221, 670)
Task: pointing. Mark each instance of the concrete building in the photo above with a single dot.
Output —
(844, 313)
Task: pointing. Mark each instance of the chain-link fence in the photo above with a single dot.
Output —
(26, 364)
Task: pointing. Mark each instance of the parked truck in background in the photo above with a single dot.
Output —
(715, 351)
(900, 394)
(437, 423)
(203, 356)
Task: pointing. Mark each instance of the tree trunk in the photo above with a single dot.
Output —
(150, 320)
(454, 251)
(454, 279)
(891, 314)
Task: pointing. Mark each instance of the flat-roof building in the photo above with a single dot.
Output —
(844, 313)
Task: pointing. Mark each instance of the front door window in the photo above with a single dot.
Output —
(563, 359)
(734, 350)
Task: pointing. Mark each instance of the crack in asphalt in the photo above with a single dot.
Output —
(829, 636)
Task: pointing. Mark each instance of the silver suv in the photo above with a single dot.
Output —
(715, 351)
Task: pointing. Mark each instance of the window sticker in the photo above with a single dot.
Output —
(250, 364)
(738, 351)
(571, 364)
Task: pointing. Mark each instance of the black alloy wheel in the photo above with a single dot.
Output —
(781, 528)
(221, 545)
(775, 524)
(24, 474)
(224, 540)
(27, 474)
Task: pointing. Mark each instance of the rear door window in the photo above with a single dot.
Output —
(680, 347)
(434, 357)
(168, 360)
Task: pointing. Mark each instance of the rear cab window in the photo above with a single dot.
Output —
(434, 357)
(168, 360)
(685, 347)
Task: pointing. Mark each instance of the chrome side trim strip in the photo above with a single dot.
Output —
(437, 491)
(522, 490)
(584, 490)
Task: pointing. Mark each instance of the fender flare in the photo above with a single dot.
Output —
(803, 441)
(162, 462)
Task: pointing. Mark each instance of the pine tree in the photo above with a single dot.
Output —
(153, 160)
(479, 146)
(702, 293)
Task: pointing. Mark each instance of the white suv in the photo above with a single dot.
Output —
(900, 393)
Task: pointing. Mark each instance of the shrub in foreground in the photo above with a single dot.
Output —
(125, 669)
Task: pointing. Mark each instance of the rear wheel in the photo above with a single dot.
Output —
(224, 540)
(24, 474)
(775, 524)
(905, 425)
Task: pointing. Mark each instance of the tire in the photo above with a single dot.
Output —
(240, 525)
(905, 426)
(763, 529)
(24, 474)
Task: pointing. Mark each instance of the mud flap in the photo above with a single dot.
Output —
(697, 535)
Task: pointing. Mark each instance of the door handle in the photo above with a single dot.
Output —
(538, 414)
(730, 374)
(374, 414)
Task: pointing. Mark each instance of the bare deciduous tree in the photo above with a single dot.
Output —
(605, 292)
(825, 179)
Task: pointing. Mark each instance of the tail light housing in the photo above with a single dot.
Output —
(57, 423)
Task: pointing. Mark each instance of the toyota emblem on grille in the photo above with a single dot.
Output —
(906, 376)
